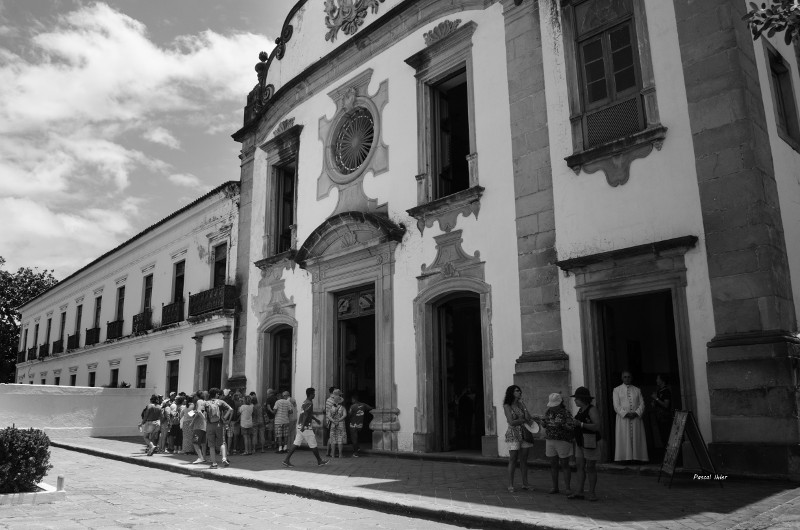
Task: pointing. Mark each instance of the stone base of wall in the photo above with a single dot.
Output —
(752, 379)
(384, 440)
(757, 459)
(540, 374)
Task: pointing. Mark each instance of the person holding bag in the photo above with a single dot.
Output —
(518, 446)
(587, 442)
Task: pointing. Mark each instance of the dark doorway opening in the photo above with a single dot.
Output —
(638, 334)
(460, 389)
(282, 360)
(355, 356)
(213, 371)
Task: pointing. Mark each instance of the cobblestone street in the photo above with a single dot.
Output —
(105, 494)
(460, 493)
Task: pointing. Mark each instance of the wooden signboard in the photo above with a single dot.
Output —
(684, 424)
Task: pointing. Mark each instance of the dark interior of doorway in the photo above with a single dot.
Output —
(638, 334)
(461, 374)
(213, 370)
(355, 361)
(282, 360)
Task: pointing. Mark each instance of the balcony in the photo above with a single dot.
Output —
(32, 353)
(143, 321)
(216, 299)
(74, 341)
(92, 336)
(58, 346)
(172, 313)
(21, 357)
(114, 329)
(44, 351)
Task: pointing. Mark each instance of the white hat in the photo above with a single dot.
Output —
(554, 399)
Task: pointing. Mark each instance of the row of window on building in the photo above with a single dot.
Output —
(171, 313)
(172, 371)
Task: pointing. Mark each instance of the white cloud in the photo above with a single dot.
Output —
(84, 87)
(160, 135)
(59, 240)
(185, 179)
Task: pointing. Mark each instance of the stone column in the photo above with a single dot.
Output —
(752, 360)
(226, 354)
(198, 360)
(542, 366)
(384, 424)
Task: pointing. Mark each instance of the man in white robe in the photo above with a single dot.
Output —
(631, 443)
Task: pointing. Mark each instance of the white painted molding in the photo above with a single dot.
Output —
(73, 369)
(114, 362)
(121, 280)
(142, 357)
(147, 268)
(179, 253)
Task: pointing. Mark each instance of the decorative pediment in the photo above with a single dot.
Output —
(451, 261)
(271, 298)
(441, 31)
(348, 232)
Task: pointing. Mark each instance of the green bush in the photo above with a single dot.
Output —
(24, 459)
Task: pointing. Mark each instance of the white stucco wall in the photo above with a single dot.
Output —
(68, 412)
(660, 201)
(785, 159)
(493, 234)
(189, 237)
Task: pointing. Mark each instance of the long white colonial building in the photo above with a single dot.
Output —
(440, 199)
(155, 312)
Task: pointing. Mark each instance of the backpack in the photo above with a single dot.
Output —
(212, 410)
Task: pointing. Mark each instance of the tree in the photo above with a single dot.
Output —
(16, 289)
(781, 15)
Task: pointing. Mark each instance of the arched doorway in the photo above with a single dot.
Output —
(458, 344)
(281, 342)
(276, 359)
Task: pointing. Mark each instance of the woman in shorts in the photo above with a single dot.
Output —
(516, 415)
(559, 435)
(151, 424)
(587, 423)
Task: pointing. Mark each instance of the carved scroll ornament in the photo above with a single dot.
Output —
(347, 15)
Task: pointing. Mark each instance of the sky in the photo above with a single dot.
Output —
(115, 114)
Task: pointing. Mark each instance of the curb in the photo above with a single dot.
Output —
(444, 515)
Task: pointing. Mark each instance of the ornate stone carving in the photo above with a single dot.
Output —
(451, 261)
(347, 15)
(284, 126)
(444, 29)
(615, 158)
(353, 144)
(446, 210)
(271, 298)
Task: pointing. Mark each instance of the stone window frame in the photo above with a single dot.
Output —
(638, 270)
(434, 63)
(615, 157)
(220, 237)
(772, 54)
(282, 150)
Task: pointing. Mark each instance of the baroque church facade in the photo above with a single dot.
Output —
(439, 199)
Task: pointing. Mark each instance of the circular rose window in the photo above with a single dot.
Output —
(353, 140)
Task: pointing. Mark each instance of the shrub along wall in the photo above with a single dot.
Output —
(24, 459)
(71, 411)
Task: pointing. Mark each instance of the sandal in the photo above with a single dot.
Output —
(526, 487)
(511, 489)
(575, 496)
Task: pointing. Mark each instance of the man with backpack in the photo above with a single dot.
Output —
(217, 412)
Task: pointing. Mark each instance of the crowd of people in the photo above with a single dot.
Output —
(222, 422)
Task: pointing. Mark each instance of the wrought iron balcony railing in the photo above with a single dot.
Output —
(74, 341)
(215, 299)
(58, 346)
(143, 321)
(114, 329)
(32, 353)
(172, 313)
(92, 336)
(44, 351)
(21, 357)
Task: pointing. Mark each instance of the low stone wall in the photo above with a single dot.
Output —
(73, 411)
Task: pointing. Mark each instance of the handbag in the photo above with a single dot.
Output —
(590, 440)
(527, 436)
